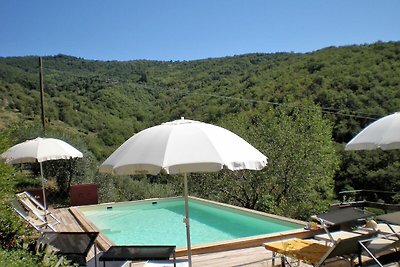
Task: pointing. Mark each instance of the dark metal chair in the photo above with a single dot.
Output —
(75, 246)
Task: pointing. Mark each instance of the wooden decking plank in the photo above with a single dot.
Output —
(68, 222)
(241, 257)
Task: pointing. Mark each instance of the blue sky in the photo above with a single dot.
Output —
(188, 29)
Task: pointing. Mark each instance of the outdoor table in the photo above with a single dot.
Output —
(138, 253)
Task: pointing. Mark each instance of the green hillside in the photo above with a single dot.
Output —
(104, 103)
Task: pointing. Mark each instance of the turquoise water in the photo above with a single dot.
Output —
(145, 223)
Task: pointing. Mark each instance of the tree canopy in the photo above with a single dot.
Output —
(302, 101)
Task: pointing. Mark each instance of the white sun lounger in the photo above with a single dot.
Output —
(31, 203)
(380, 246)
(335, 236)
(35, 222)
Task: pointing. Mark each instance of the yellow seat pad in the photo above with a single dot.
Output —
(305, 250)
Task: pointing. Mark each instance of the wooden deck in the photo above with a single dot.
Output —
(257, 256)
(68, 222)
(254, 256)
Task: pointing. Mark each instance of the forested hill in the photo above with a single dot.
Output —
(107, 102)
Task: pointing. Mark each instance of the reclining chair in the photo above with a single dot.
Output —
(32, 204)
(316, 254)
(340, 218)
(34, 221)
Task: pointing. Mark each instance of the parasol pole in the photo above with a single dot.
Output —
(42, 94)
(44, 192)
(189, 249)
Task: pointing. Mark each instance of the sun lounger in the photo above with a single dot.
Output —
(336, 236)
(138, 253)
(382, 228)
(340, 217)
(387, 223)
(314, 253)
(385, 248)
(75, 246)
(388, 228)
(384, 260)
(35, 222)
(392, 220)
(381, 247)
(36, 207)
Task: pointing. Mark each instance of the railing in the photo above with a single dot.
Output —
(369, 198)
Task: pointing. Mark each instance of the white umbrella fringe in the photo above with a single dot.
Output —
(383, 133)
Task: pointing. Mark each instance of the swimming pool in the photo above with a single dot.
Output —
(159, 222)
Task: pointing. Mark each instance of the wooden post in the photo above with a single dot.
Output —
(42, 94)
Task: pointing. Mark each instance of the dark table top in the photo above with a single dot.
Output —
(118, 253)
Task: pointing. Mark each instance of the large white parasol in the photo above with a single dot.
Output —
(183, 146)
(383, 133)
(40, 149)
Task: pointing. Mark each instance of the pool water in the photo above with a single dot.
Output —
(161, 222)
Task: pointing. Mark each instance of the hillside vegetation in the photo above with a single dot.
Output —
(335, 91)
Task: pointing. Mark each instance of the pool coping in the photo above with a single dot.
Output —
(104, 242)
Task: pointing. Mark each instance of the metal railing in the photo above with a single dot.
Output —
(369, 198)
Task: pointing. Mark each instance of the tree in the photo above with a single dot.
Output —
(298, 180)
(63, 172)
(372, 169)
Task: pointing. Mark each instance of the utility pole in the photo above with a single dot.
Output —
(42, 94)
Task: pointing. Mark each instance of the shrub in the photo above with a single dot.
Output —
(17, 242)
(12, 230)
(17, 258)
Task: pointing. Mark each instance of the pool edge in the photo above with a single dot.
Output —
(104, 243)
(290, 220)
(247, 242)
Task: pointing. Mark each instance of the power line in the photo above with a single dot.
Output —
(327, 110)
(324, 109)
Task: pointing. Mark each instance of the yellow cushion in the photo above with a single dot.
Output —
(301, 249)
